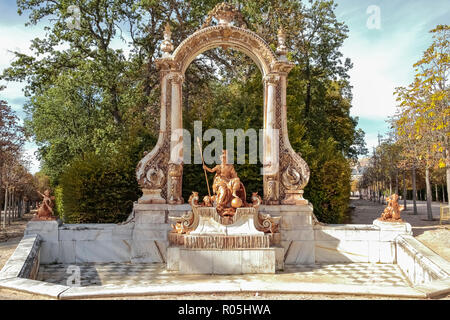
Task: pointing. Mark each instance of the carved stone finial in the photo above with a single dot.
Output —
(282, 49)
(166, 45)
(225, 13)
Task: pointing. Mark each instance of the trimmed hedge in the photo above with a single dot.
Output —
(329, 186)
(96, 189)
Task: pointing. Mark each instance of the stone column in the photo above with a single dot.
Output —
(271, 141)
(175, 172)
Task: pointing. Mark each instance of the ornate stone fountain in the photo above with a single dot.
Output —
(225, 225)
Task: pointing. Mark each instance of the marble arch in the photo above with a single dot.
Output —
(160, 172)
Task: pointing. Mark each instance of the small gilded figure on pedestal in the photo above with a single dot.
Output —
(392, 212)
(45, 211)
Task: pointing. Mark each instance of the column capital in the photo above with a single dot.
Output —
(282, 66)
(272, 79)
(176, 77)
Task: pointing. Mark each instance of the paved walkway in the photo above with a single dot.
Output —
(127, 274)
(367, 211)
(126, 280)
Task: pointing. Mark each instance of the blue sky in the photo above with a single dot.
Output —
(382, 58)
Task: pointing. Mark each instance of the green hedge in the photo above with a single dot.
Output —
(98, 189)
(59, 207)
(329, 185)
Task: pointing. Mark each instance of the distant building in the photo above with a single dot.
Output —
(357, 173)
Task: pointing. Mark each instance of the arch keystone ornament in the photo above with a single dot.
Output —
(160, 172)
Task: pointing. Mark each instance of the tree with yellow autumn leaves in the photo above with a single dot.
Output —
(422, 123)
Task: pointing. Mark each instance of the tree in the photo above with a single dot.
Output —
(11, 133)
(425, 103)
(403, 124)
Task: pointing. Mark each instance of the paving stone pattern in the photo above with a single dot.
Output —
(126, 274)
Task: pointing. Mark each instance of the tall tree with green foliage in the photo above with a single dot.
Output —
(88, 97)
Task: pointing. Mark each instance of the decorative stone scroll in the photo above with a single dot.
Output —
(204, 228)
(160, 172)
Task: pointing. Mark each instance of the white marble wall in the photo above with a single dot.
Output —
(226, 262)
(418, 262)
(24, 262)
(297, 233)
(358, 243)
(143, 239)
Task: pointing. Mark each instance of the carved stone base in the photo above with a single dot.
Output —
(294, 197)
(151, 196)
(178, 201)
(237, 261)
(48, 218)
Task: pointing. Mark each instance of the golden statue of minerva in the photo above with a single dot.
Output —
(229, 192)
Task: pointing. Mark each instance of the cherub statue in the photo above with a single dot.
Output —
(256, 200)
(45, 211)
(208, 201)
(392, 211)
(193, 199)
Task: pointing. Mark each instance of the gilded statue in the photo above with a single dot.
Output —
(45, 211)
(229, 192)
(392, 211)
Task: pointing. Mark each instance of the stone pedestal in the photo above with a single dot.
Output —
(209, 261)
(204, 245)
(389, 231)
(151, 196)
(393, 228)
(294, 197)
(149, 240)
(296, 230)
(48, 230)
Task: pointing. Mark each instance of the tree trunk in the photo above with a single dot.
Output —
(414, 189)
(19, 208)
(13, 216)
(447, 172)
(390, 186)
(11, 208)
(429, 194)
(443, 194)
(375, 192)
(6, 207)
(437, 194)
(379, 192)
(404, 190)
(396, 181)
